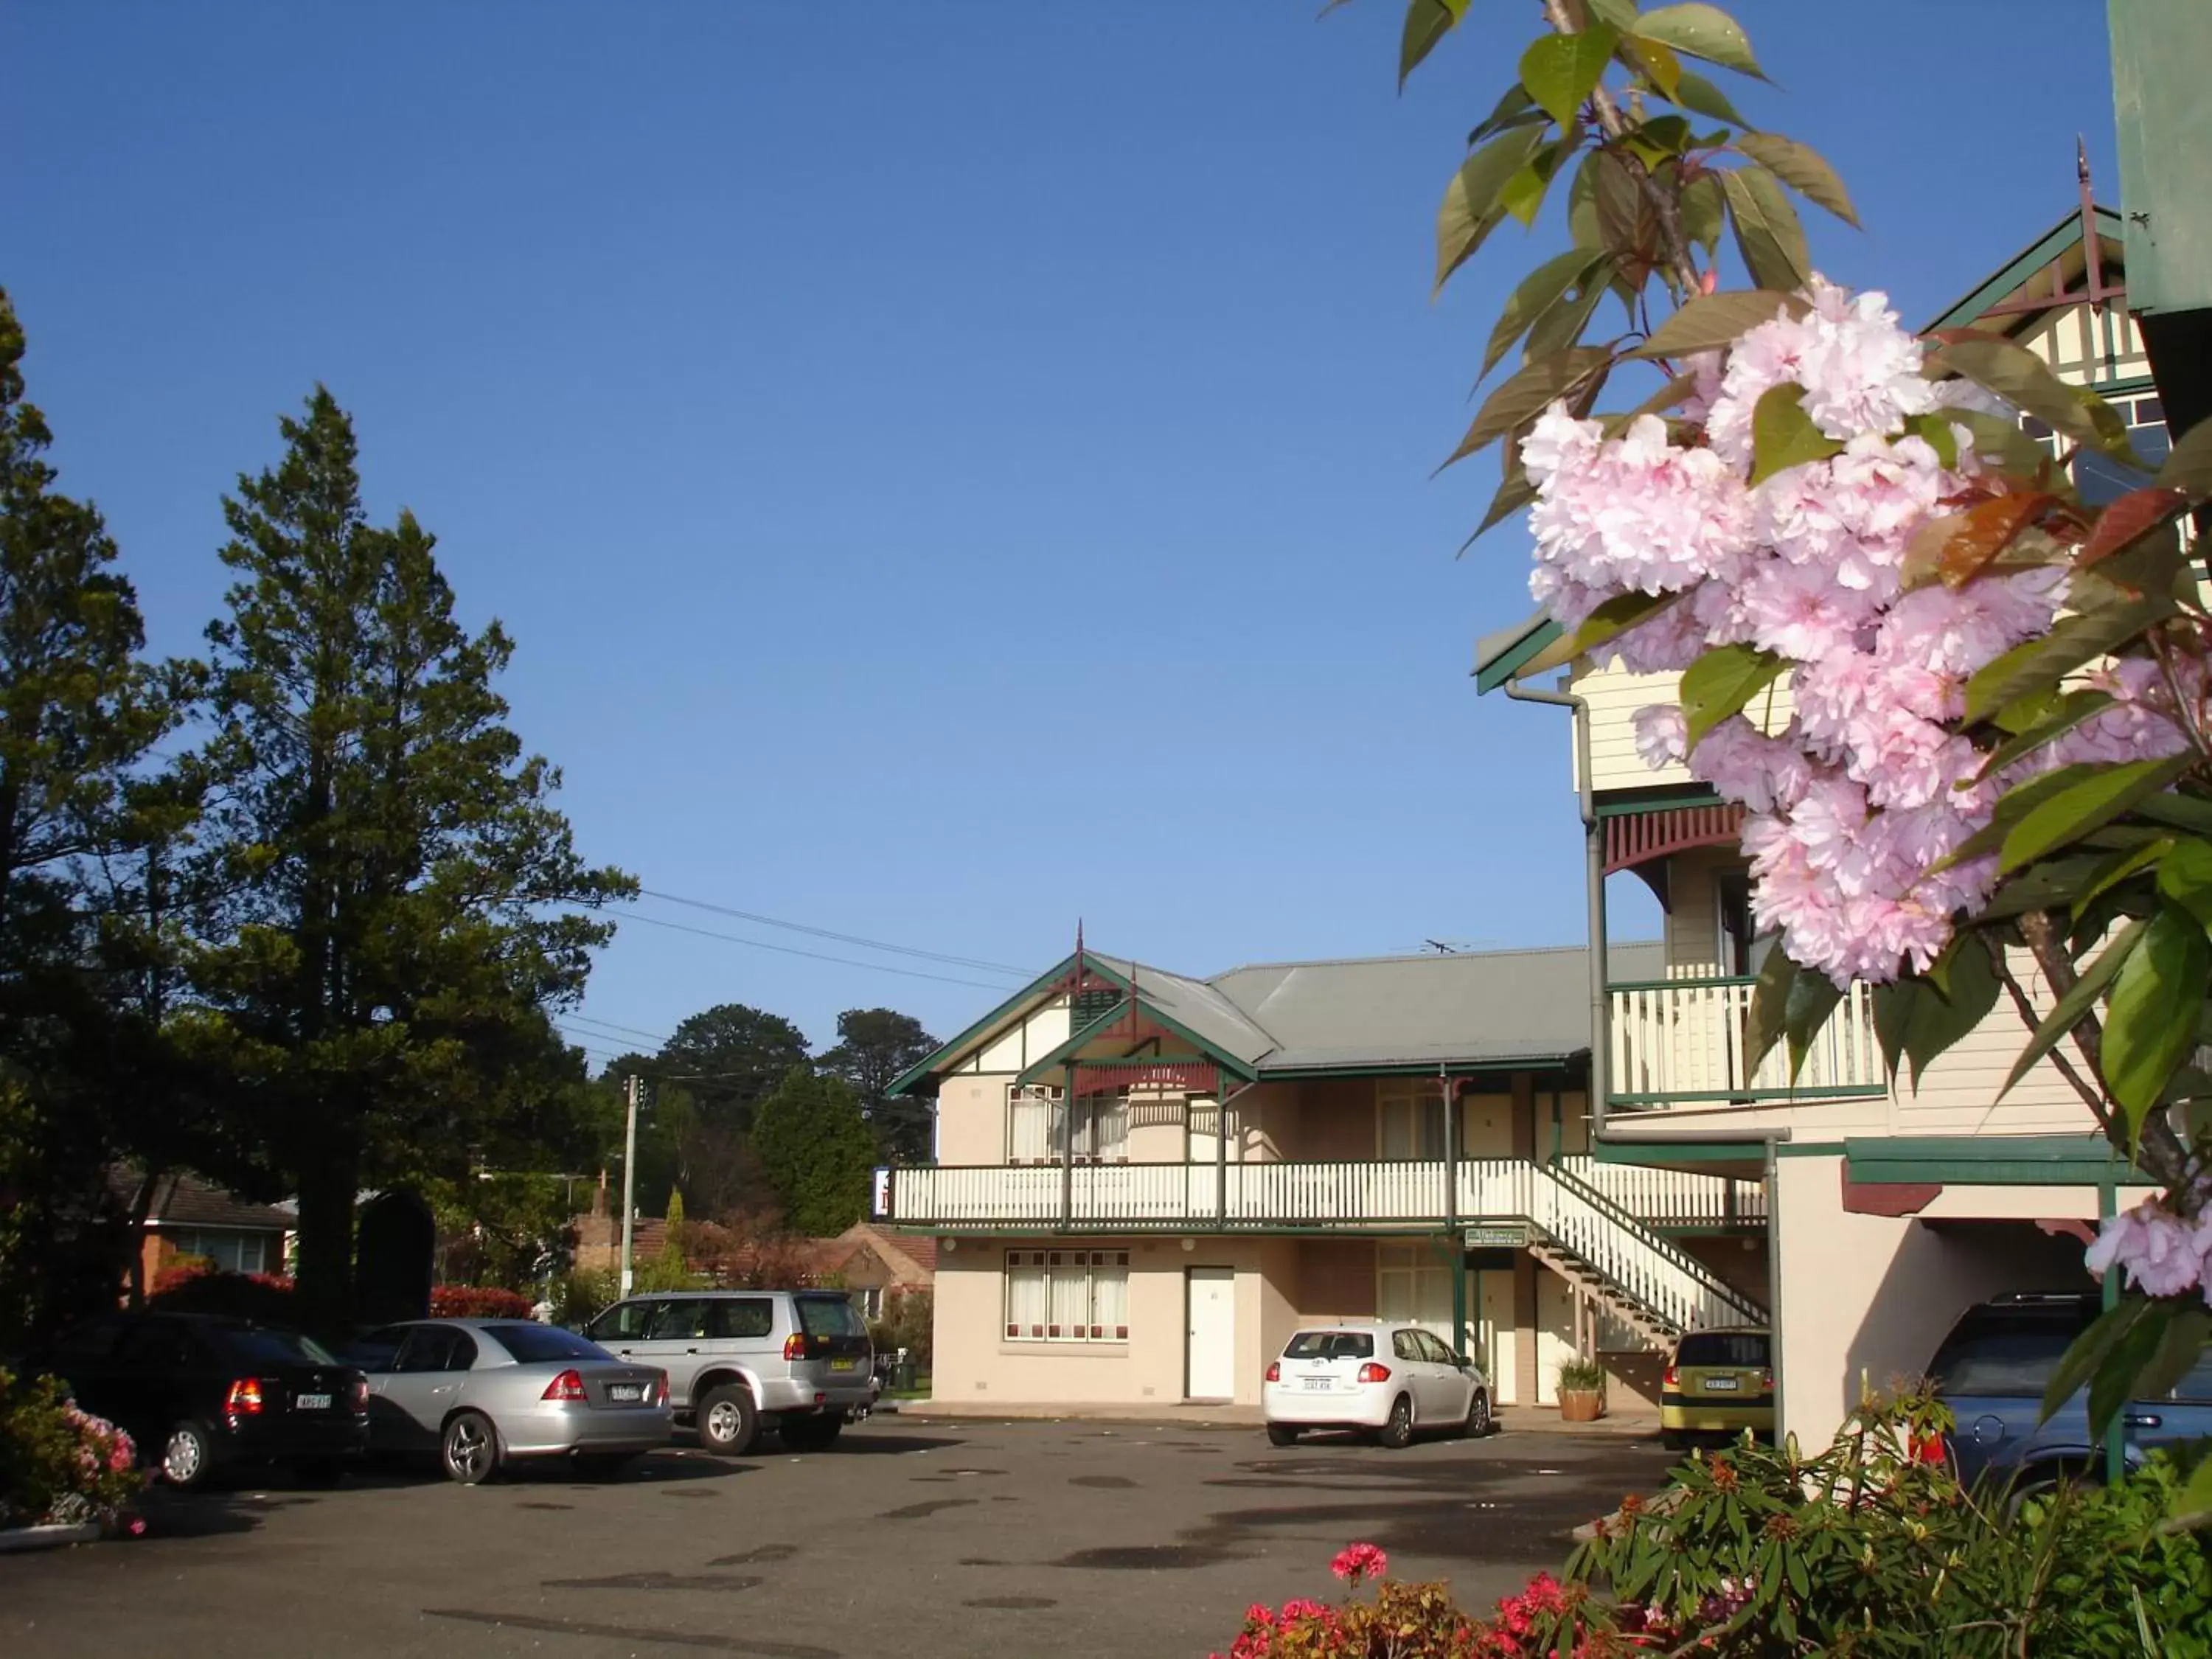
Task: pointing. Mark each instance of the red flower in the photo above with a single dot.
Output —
(1359, 1561)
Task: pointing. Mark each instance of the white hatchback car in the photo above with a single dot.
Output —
(1393, 1378)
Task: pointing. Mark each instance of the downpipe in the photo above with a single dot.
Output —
(1593, 889)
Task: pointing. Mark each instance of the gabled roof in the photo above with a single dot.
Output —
(1373, 1013)
(1499, 656)
(183, 1201)
(2021, 272)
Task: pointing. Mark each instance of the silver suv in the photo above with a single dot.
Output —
(740, 1362)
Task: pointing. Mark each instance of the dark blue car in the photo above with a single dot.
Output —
(1991, 1372)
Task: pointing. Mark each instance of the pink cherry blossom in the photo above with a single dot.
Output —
(2161, 1253)
(1661, 734)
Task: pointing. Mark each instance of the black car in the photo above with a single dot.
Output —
(200, 1393)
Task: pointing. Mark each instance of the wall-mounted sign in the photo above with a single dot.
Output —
(1498, 1235)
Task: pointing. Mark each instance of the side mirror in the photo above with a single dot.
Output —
(1463, 1362)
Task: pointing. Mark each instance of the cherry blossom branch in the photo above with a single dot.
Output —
(2059, 1063)
(1615, 128)
(2159, 1152)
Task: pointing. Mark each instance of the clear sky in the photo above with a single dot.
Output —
(950, 468)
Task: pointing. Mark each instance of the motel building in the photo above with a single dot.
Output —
(1890, 1205)
(1145, 1182)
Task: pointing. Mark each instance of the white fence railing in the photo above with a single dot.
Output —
(1683, 1041)
(1376, 1192)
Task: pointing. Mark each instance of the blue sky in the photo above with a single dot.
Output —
(950, 468)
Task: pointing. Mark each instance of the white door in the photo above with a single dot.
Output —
(1211, 1356)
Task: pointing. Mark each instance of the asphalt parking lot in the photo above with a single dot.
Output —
(924, 1542)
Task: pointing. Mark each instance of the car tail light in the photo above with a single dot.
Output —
(1275, 1371)
(794, 1345)
(1371, 1372)
(358, 1393)
(1671, 1377)
(1766, 1382)
(243, 1398)
(658, 1395)
(569, 1385)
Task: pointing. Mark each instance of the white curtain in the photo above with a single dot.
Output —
(1027, 1303)
(1109, 1125)
(1033, 1130)
(1070, 1296)
(1110, 1297)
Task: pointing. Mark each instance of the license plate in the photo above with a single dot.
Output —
(1720, 1385)
(625, 1393)
(312, 1402)
(844, 1365)
(1319, 1384)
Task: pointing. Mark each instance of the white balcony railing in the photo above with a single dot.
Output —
(1683, 1041)
(1138, 1197)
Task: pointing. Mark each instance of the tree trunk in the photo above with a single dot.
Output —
(135, 1233)
(329, 1178)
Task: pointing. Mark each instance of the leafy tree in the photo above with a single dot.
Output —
(396, 889)
(709, 1077)
(875, 1048)
(816, 1151)
(79, 713)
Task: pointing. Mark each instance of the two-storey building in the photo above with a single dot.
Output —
(1892, 1204)
(1144, 1182)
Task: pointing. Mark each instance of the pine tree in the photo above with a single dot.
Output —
(817, 1151)
(397, 922)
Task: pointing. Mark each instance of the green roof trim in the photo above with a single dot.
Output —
(959, 1046)
(1988, 1161)
(1499, 656)
(2025, 264)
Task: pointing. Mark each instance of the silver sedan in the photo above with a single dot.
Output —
(481, 1394)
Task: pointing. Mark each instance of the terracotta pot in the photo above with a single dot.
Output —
(1581, 1404)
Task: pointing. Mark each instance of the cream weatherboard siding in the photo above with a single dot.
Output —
(1615, 694)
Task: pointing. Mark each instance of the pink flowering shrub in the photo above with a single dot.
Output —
(58, 1463)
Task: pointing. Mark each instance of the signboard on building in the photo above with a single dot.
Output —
(1498, 1235)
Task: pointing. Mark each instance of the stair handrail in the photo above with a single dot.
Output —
(1704, 1290)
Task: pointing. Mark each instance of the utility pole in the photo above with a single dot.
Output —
(634, 1088)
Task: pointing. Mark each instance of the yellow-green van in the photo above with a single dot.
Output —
(1717, 1384)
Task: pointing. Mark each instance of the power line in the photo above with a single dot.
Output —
(611, 1026)
(841, 938)
(817, 955)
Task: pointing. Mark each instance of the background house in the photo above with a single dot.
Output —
(192, 1218)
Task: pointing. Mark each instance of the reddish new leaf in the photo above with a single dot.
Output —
(2134, 514)
(1959, 546)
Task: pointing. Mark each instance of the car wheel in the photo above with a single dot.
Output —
(469, 1449)
(729, 1423)
(811, 1434)
(188, 1457)
(319, 1472)
(1478, 1415)
(1282, 1434)
(604, 1466)
(1398, 1433)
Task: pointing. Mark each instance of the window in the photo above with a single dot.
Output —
(827, 1316)
(1068, 1296)
(158, 1345)
(257, 1347)
(1034, 1126)
(533, 1344)
(1406, 1345)
(232, 1251)
(1433, 1349)
(871, 1301)
(1410, 1111)
(682, 1320)
(626, 1321)
(1412, 1285)
(2008, 1350)
(1331, 1345)
(1743, 1351)
(744, 1318)
(437, 1348)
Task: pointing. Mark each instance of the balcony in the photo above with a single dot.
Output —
(1680, 1042)
(1354, 1196)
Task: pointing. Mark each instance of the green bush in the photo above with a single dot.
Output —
(1874, 1548)
(58, 1463)
(581, 1296)
(1580, 1375)
(906, 1322)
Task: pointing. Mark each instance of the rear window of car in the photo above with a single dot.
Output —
(533, 1344)
(1999, 1351)
(829, 1315)
(260, 1346)
(1745, 1350)
(1331, 1345)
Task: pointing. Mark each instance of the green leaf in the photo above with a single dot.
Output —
(1700, 31)
(2150, 1024)
(1537, 291)
(1721, 682)
(1532, 390)
(1765, 1022)
(2041, 664)
(2189, 466)
(2048, 886)
(1563, 323)
(1616, 616)
(2012, 806)
(1678, 390)
(2088, 1352)
(2116, 868)
(2191, 1505)
(1803, 169)
(1812, 997)
(1938, 435)
(1470, 210)
(1615, 14)
(1943, 1016)
(1707, 322)
(1661, 67)
(2113, 1383)
(1523, 193)
(2000, 442)
(1427, 21)
(2085, 804)
(2186, 878)
(1892, 1017)
(1767, 233)
(1704, 208)
(2026, 382)
(1561, 71)
(1694, 91)
(2190, 813)
(1782, 434)
(1514, 109)
(1514, 493)
(2176, 1354)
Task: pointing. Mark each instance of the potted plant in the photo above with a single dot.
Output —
(1582, 1390)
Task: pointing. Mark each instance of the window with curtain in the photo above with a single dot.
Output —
(1411, 1283)
(233, 1252)
(1102, 1128)
(1068, 1296)
(1033, 1126)
(1410, 1112)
